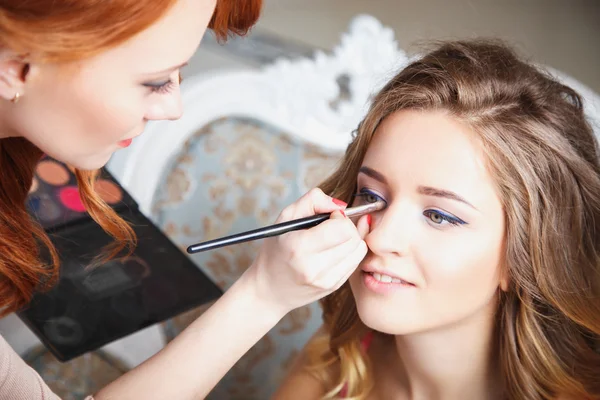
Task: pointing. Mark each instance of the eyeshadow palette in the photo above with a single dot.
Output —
(54, 197)
(91, 307)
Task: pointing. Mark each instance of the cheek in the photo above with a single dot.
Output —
(108, 110)
(79, 119)
(462, 274)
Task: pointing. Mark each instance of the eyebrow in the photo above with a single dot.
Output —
(373, 174)
(424, 190)
(447, 194)
(168, 70)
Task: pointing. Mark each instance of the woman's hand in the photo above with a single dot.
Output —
(300, 267)
(290, 271)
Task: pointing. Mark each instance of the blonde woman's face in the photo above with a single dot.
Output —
(435, 252)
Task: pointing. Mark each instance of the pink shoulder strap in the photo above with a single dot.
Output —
(366, 340)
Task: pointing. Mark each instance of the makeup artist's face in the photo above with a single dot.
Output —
(442, 231)
(82, 112)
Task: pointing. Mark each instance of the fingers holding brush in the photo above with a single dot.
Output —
(335, 277)
(363, 225)
(346, 256)
(343, 240)
(313, 202)
(337, 230)
(303, 266)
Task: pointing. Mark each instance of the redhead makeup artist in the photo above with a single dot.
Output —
(78, 80)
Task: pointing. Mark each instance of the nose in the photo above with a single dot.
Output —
(392, 231)
(176, 111)
(168, 108)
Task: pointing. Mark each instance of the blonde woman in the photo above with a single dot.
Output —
(482, 279)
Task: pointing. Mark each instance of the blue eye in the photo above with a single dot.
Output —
(438, 218)
(365, 196)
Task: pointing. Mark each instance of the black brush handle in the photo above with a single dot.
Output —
(261, 233)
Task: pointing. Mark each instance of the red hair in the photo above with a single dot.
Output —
(64, 31)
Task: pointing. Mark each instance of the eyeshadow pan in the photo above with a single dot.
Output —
(33, 202)
(52, 172)
(69, 196)
(56, 181)
(109, 191)
(64, 330)
(48, 210)
(137, 267)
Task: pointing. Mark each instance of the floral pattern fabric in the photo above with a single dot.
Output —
(233, 175)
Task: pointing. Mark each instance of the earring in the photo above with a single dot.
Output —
(16, 98)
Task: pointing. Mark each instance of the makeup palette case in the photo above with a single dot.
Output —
(91, 307)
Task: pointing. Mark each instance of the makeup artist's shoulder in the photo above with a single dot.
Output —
(300, 384)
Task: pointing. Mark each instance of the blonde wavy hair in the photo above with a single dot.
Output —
(544, 158)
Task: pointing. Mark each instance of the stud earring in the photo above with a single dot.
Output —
(16, 98)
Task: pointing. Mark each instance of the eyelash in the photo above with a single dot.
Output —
(364, 192)
(163, 88)
(445, 217)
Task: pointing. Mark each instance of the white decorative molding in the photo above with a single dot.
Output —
(325, 97)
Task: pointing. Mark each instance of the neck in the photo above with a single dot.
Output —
(6, 111)
(455, 362)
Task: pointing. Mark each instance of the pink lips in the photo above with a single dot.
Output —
(125, 143)
(379, 287)
(370, 269)
(370, 275)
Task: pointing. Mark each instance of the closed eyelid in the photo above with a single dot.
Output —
(164, 82)
(156, 84)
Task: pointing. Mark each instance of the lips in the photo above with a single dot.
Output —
(386, 276)
(125, 143)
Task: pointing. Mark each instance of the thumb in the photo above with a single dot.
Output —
(363, 226)
(337, 214)
(316, 202)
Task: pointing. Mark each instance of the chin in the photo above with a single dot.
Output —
(91, 162)
(391, 323)
(392, 316)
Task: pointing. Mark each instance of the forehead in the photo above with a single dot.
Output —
(430, 149)
(170, 41)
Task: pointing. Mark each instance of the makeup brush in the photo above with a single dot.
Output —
(283, 227)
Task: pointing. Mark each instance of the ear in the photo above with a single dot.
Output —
(504, 285)
(13, 73)
(504, 278)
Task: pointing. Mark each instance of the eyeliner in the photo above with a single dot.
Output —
(283, 227)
